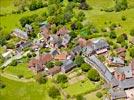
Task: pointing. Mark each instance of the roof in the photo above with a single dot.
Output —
(132, 64)
(125, 70)
(62, 31)
(54, 39)
(99, 44)
(116, 60)
(120, 50)
(20, 33)
(54, 70)
(127, 83)
(61, 56)
(132, 41)
(77, 49)
(45, 31)
(54, 52)
(117, 94)
(67, 65)
(7, 53)
(82, 42)
(66, 38)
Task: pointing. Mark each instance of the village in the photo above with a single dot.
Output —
(49, 54)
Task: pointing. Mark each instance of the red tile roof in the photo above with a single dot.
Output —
(120, 50)
(62, 31)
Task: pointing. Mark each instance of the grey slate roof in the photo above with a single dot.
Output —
(117, 94)
(77, 49)
(127, 70)
(127, 83)
(54, 52)
(66, 39)
(99, 44)
(117, 60)
(103, 70)
(67, 65)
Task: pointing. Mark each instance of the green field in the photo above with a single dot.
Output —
(23, 91)
(81, 88)
(20, 69)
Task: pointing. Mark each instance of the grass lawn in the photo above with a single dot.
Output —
(20, 69)
(81, 88)
(10, 22)
(24, 91)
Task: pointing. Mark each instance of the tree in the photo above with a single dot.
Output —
(93, 75)
(50, 65)
(79, 97)
(131, 51)
(40, 78)
(14, 63)
(120, 39)
(85, 67)
(84, 6)
(112, 35)
(53, 92)
(61, 78)
(79, 60)
(58, 63)
(99, 94)
(81, 16)
(132, 32)
(120, 5)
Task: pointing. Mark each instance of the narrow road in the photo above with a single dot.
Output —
(18, 56)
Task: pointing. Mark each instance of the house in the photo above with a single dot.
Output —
(37, 65)
(10, 53)
(126, 84)
(67, 66)
(82, 42)
(121, 52)
(62, 31)
(100, 46)
(45, 32)
(123, 73)
(65, 39)
(96, 46)
(23, 44)
(87, 51)
(116, 61)
(61, 57)
(54, 52)
(54, 70)
(132, 41)
(28, 28)
(132, 66)
(55, 41)
(21, 34)
(76, 50)
(117, 94)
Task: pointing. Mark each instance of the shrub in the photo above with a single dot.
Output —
(93, 75)
(50, 65)
(123, 18)
(132, 32)
(85, 67)
(99, 94)
(79, 60)
(14, 63)
(61, 78)
(79, 97)
(131, 51)
(112, 35)
(53, 92)
(58, 63)
(2, 85)
(40, 78)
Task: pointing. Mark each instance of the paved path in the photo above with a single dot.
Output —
(15, 78)
(18, 56)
